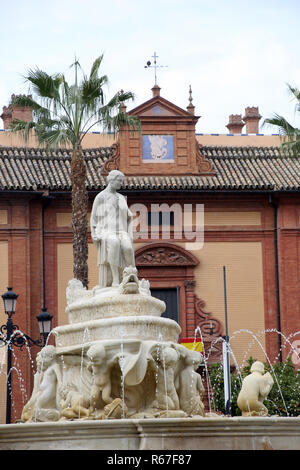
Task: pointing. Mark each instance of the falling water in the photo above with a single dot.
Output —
(286, 338)
(16, 366)
(165, 381)
(158, 353)
(22, 386)
(238, 369)
(2, 358)
(161, 357)
(198, 330)
(271, 330)
(19, 332)
(242, 330)
(86, 336)
(122, 364)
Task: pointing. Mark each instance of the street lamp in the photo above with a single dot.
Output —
(10, 302)
(45, 321)
(10, 335)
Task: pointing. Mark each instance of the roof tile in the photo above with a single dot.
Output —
(236, 168)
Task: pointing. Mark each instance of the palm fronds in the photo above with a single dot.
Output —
(64, 113)
(290, 134)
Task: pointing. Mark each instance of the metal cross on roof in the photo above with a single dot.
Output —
(155, 66)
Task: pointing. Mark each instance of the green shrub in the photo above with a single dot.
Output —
(283, 399)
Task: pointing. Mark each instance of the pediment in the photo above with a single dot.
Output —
(160, 107)
(164, 254)
(166, 141)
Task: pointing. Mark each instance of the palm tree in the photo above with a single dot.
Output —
(290, 134)
(63, 114)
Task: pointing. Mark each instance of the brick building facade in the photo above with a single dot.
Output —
(250, 195)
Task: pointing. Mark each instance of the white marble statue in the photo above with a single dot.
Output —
(111, 230)
(101, 369)
(189, 384)
(43, 404)
(166, 394)
(255, 389)
(76, 385)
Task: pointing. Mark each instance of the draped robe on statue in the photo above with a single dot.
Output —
(111, 228)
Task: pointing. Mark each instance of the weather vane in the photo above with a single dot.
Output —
(155, 66)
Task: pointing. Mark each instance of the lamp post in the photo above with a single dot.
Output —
(10, 335)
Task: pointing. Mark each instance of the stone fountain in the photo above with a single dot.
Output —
(117, 357)
(117, 378)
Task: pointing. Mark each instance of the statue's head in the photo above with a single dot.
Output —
(257, 366)
(130, 281)
(115, 178)
(96, 353)
(46, 356)
(169, 356)
(194, 358)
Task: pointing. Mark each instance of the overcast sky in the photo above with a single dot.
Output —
(234, 53)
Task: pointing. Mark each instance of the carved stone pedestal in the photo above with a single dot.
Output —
(118, 358)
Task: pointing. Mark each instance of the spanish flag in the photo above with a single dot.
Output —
(192, 344)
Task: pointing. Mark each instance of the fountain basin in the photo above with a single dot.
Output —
(143, 327)
(272, 433)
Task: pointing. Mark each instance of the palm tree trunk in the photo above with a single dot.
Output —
(79, 216)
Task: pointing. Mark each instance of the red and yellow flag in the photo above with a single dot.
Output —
(192, 344)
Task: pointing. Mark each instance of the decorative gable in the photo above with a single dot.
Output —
(157, 110)
(166, 144)
(159, 106)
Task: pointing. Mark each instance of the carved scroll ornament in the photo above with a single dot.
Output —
(114, 160)
(164, 255)
(205, 319)
(211, 329)
(205, 167)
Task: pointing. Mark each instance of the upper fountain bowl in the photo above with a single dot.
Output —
(84, 305)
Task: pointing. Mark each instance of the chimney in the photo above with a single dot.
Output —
(251, 119)
(6, 117)
(235, 124)
(24, 113)
(156, 91)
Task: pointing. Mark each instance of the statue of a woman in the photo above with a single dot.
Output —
(111, 230)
